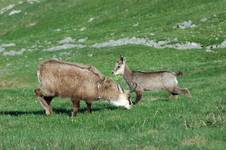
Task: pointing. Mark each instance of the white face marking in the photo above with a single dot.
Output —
(38, 74)
(119, 68)
(176, 81)
(122, 101)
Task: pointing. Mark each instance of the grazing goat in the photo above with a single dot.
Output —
(79, 82)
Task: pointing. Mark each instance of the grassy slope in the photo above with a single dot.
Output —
(196, 123)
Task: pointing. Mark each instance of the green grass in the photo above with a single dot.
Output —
(157, 122)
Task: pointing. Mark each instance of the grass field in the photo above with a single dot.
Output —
(157, 122)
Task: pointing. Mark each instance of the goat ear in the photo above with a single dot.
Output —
(120, 88)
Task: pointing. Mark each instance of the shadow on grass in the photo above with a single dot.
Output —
(55, 111)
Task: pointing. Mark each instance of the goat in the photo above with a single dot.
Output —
(79, 82)
(147, 81)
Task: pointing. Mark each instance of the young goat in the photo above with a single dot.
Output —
(77, 81)
(147, 81)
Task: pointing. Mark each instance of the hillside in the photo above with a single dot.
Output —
(176, 35)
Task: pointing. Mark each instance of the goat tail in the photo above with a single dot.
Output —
(178, 73)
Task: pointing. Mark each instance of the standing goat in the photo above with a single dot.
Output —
(147, 81)
(77, 81)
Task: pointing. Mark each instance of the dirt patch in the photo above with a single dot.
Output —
(66, 43)
(196, 140)
(185, 25)
(67, 40)
(4, 84)
(3, 47)
(65, 46)
(5, 9)
(148, 42)
(215, 46)
(91, 19)
(14, 53)
(14, 12)
(33, 1)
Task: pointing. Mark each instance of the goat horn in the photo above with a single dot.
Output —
(120, 88)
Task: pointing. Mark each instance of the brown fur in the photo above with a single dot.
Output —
(77, 81)
(148, 81)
